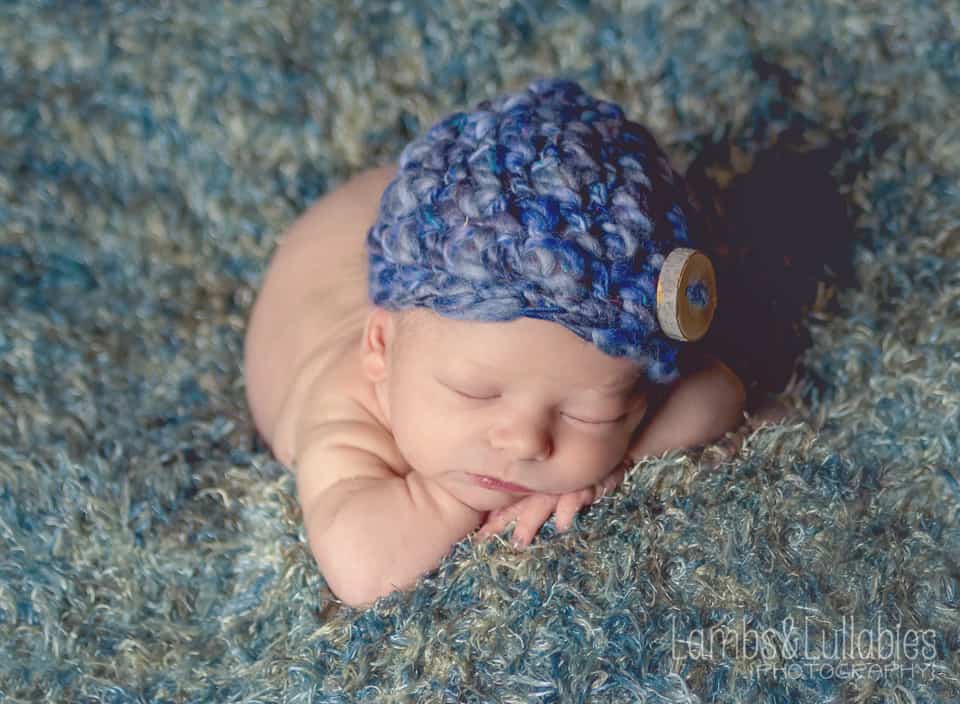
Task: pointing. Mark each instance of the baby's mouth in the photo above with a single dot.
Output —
(495, 484)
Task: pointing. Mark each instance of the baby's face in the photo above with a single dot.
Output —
(525, 402)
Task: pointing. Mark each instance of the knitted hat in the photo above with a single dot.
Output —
(546, 203)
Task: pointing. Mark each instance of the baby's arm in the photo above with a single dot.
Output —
(370, 530)
(698, 408)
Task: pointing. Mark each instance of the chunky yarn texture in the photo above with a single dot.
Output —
(546, 203)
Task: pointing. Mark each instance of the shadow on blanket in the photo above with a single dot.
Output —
(781, 235)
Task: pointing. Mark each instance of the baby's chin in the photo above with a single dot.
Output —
(486, 504)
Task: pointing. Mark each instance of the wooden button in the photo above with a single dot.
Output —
(680, 318)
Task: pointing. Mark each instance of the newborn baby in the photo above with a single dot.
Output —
(493, 330)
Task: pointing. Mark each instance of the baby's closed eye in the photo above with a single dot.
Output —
(589, 418)
(618, 419)
(474, 396)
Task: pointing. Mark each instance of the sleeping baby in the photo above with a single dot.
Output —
(490, 332)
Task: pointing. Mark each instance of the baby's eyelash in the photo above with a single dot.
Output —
(598, 422)
(475, 398)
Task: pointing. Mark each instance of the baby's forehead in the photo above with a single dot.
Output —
(480, 346)
(432, 326)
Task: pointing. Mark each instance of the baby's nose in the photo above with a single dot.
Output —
(526, 437)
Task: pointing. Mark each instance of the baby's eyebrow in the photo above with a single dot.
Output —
(621, 384)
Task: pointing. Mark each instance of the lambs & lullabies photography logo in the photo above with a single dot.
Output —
(804, 648)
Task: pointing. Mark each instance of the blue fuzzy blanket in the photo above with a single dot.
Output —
(151, 549)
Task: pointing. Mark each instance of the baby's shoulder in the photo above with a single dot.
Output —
(340, 420)
(338, 441)
(337, 409)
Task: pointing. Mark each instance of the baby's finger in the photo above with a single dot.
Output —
(569, 505)
(534, 515)
(612, 481)
(496, 522)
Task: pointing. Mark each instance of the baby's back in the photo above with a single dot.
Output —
(302, 346)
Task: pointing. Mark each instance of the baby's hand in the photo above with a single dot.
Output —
(532, 511)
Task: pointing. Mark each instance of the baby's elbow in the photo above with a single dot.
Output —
(718, 418)
(351, 582)
(352, 591)
(350, 573)
(730, 397)
(719, 406)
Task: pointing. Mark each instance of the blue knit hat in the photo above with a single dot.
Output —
(546, 203)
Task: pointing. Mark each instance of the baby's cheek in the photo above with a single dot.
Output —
(581, 478)
(426, 442)
(593, 458)
(413, 441)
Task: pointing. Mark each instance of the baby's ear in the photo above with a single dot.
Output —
(379, 333)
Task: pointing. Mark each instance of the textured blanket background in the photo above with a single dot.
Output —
(151, 549)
